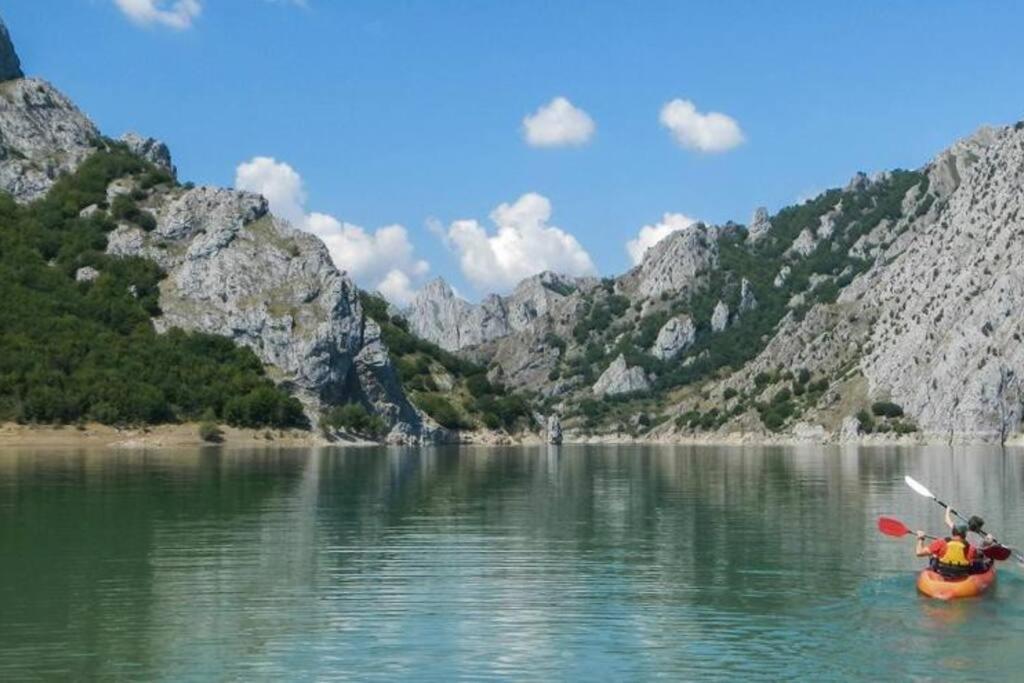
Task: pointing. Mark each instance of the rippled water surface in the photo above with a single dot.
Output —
(524, 563)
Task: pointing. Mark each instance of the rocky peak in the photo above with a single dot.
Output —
(42, 135)
(152, 150)
(677, 262)
(438, 315)
(760, 224)
(10, 65)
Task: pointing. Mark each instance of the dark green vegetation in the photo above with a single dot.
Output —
(610, 327)
(73, 351)
(355, 419)
(778, 397)
(884, 417)
(453, 391)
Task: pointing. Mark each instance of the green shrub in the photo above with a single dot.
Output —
(210, 432)
(866, 420)
(729, 393)
(355, 419)
(818, 386)
(904, 427)
(886, 409)
(478, 385)
(441, 410)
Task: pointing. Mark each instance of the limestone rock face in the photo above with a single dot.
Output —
(760, 224)
(677, 263)
(438, 315)
(720, 317)
(782, 276)
(42, 135)
(554, 430)
(804, 243)
(748, 301)
(946, 342)
(935, 324)
(10, 65)
(152, 150)
(236, 271)
(850, 430)
(674, 337)
(620, 379)
(86, 274)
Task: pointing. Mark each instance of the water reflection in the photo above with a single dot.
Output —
(525, 562)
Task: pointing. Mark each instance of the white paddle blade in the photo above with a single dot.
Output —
(918, 486)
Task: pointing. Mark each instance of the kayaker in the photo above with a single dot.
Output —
(951, 556)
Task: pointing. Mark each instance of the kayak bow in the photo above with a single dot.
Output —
(934, 585)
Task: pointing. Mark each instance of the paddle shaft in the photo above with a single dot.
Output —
(1016, 553)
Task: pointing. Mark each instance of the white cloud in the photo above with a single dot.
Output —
(649, 235)
(523, 245)
(381, 260)
(177, 14)
(711, 132)
(558, 124)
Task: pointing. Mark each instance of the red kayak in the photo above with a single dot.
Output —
(934, 585)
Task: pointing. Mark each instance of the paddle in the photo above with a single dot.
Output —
(894, 527)
(1004, 551)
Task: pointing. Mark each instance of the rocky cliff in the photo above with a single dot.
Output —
(437, 314)
(237, 271)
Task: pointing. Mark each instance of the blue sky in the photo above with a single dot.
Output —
(411, 113)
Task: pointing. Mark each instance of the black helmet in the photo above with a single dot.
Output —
(975, 523)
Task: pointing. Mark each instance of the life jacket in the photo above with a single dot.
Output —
(955, 556)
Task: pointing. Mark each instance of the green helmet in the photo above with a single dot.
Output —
(960, 529)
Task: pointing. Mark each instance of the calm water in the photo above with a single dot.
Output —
(581, 562)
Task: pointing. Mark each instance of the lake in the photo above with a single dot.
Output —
(578, 562)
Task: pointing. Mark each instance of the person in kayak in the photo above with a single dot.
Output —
(951, 556)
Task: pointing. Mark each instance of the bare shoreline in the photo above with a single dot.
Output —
(187, 436)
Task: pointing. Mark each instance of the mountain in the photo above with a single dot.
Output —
(438, 315)
(890, 306)
(209, 262)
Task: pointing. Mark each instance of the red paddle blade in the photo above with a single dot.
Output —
(998, 552)
(892, 527)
